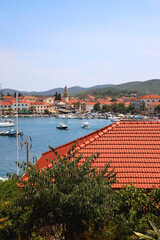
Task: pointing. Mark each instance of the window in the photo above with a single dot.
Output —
(147, 100)
(152, 100)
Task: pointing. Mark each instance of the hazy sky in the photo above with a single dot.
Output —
(50, 43)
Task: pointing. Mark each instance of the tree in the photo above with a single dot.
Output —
(157, 109)
(143, 107)
(59, 96)
(121, 108)
(115, 108)
(113, 99)
(56, 96)
(106, 108)
(130, 109)
(97, 107)
(3, 111)
(46, 111)
(68, 199)
(32, 109)
(10, 110)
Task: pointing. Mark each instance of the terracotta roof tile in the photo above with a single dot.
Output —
(132, 147)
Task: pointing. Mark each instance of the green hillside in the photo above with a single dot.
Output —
(146, 87)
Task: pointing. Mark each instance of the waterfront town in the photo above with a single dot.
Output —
(57, 105)
(80, 120)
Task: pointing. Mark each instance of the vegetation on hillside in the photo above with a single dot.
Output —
(125, 89)
(103, 92)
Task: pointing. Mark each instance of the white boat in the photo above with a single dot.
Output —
(85, 125)
(115, 119)
(6, 123)
(62, 126)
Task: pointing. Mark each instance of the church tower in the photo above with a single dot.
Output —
(66, 95)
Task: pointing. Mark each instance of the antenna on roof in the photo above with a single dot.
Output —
(28, 142)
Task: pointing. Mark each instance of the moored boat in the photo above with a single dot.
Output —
(6, 123)
(11, 133)
(62, 126)
(85, 125)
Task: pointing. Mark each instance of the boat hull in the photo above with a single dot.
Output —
(62, 128)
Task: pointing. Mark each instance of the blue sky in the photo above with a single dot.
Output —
(52, 43)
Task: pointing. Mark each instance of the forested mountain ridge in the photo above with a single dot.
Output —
(142, 87)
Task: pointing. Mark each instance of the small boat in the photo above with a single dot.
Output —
(62, 126)
(11, 133)
(115, 119)
(85, 125)
(6, 123)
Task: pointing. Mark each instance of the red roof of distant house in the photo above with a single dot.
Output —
(71, 101)
(133, 147)
(8, 103)
(20, 101)
(133, 99)
(126, 104)
(7, 97)
(153, 96)
(39, 103)
(90, 103)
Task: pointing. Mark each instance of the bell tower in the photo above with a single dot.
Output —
(66, 95)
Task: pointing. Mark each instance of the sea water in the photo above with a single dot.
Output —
(43, 132)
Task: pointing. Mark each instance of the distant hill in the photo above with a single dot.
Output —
(51, 92)
(145, 87)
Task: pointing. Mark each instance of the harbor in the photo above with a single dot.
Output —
(44, 133)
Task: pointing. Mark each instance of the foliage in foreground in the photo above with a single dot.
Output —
(72, 200)
(68, 200)
(151, 234)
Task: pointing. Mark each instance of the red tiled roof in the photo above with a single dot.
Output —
(153, 96)
(90, 103)
(38, 103)
(6, 103)
(132, 147)
(126, 104)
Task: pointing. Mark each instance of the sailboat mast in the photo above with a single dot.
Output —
(17, 129)
(0, 101)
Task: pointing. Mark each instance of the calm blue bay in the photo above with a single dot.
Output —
(44, 133)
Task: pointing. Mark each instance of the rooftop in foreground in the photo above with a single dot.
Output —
(132, 147)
